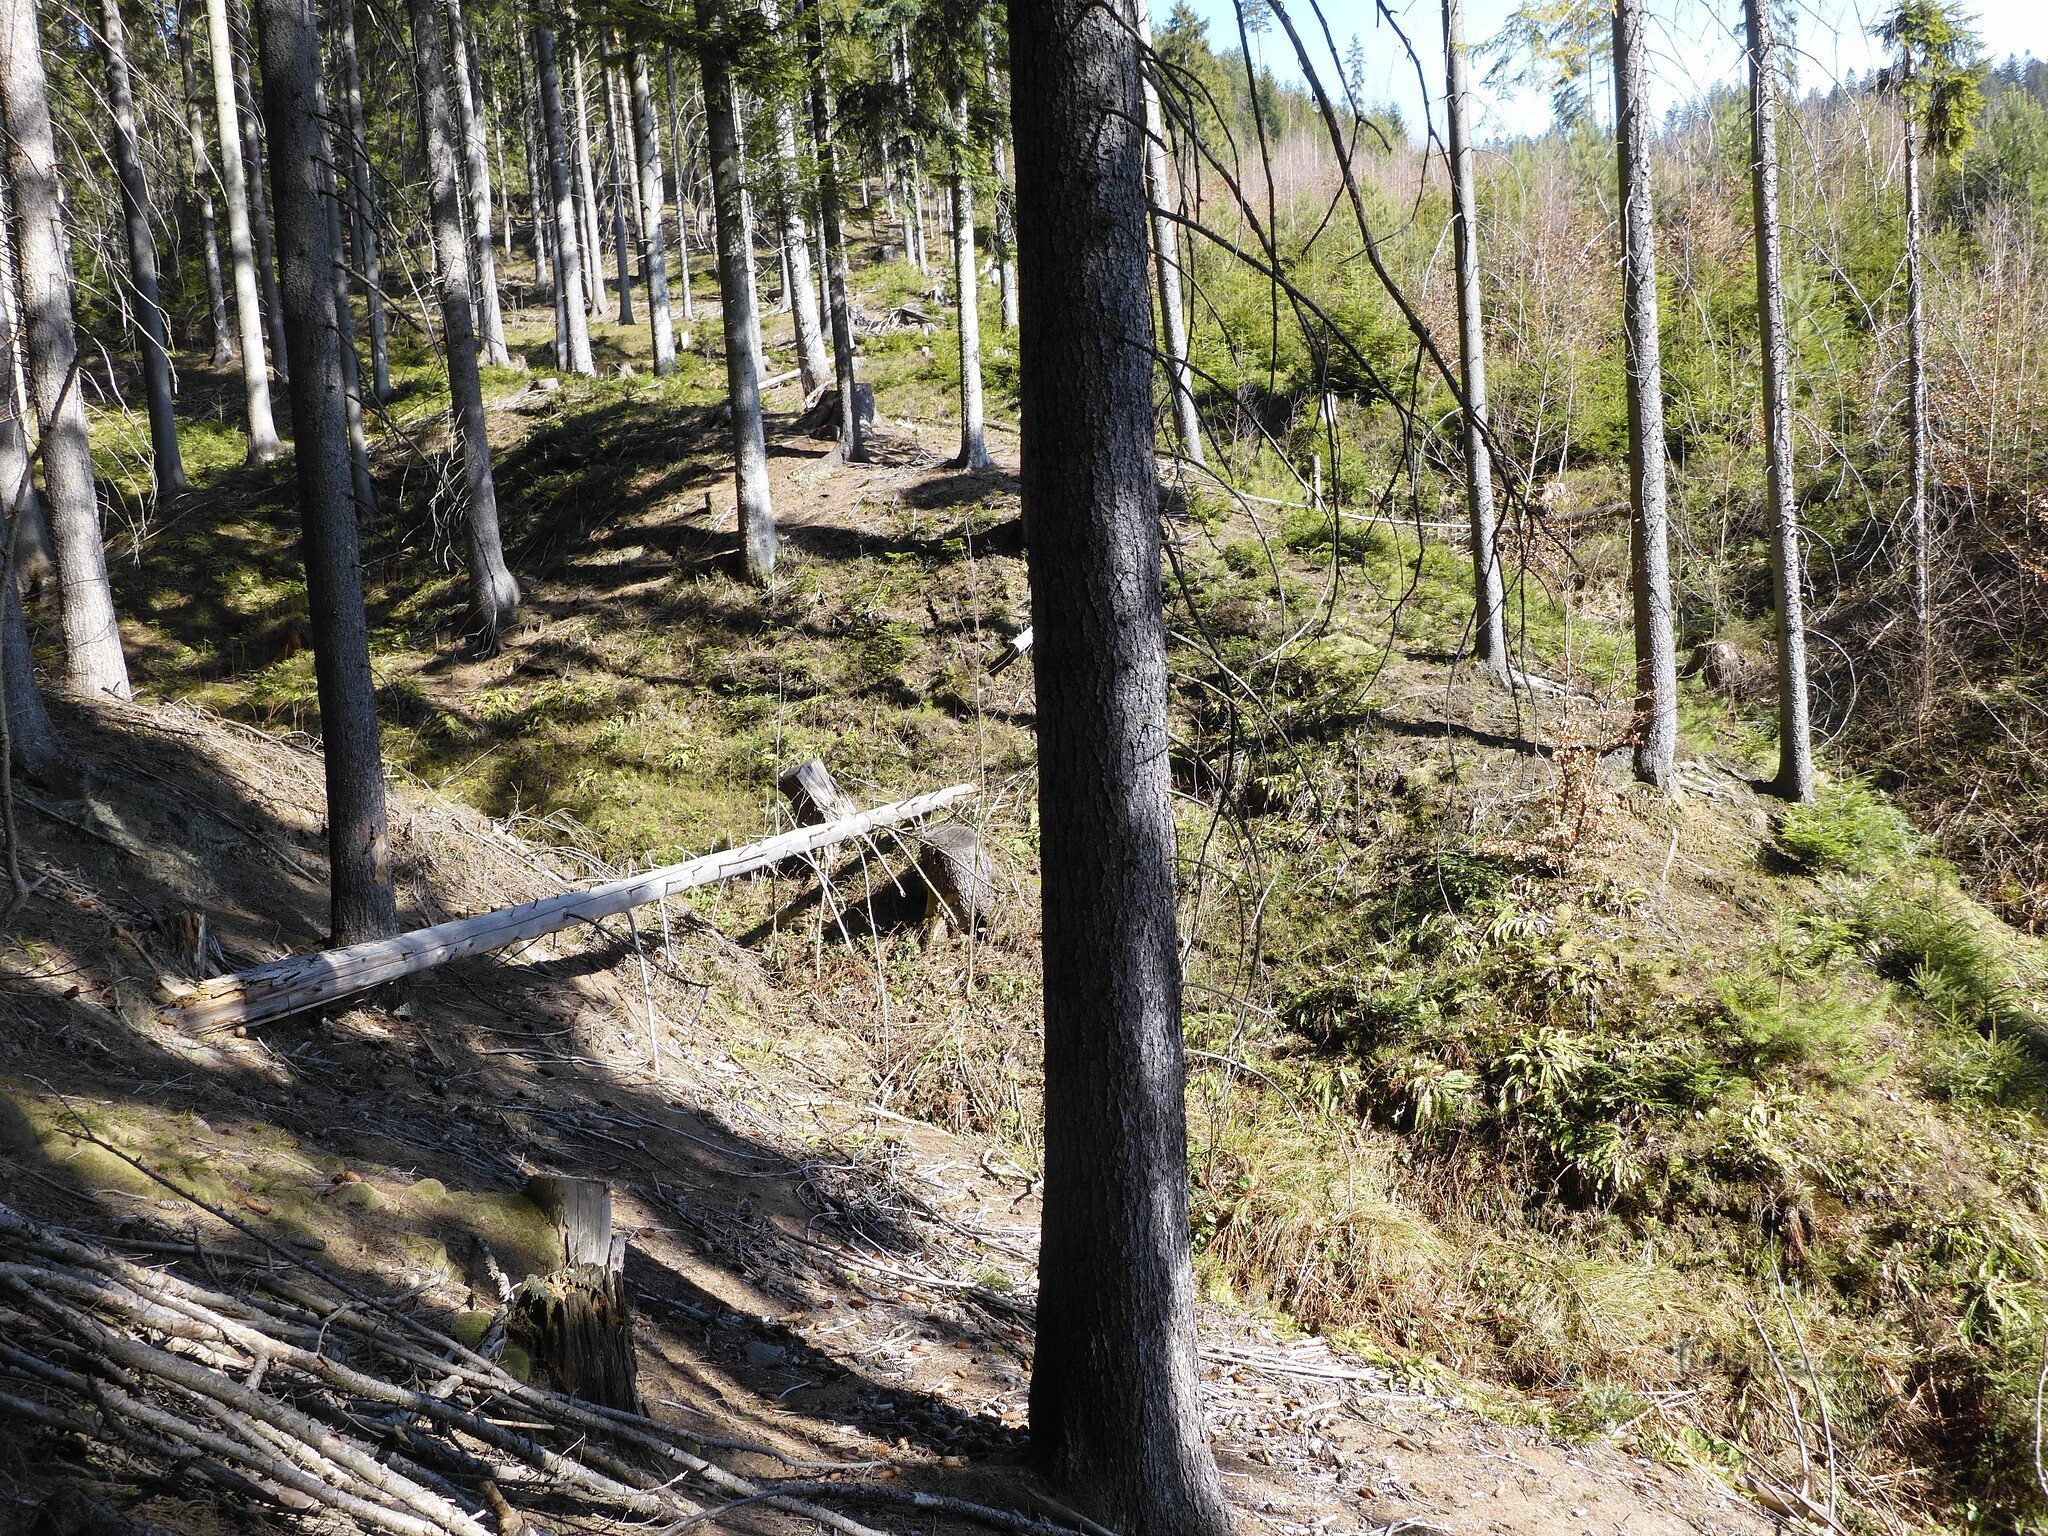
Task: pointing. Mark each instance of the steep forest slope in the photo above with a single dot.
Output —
(1547, 1137)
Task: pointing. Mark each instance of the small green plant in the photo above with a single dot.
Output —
(1851, 829)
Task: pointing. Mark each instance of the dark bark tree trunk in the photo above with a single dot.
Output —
(259, 192)
(493, 594)
(1795, 729)
(654, 248)
(1115, 1410)
(572, 323)
(1650, 550)
(1489, 600)
(363, 209)
(165, 462)
(202, 189)
(359, 858)
(736, 303)
(967, 293)
(345, 321)
(93, 663)
(490, 310)
(852, 444)
(263, 444)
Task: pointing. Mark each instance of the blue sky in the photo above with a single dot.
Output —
(1694, 44)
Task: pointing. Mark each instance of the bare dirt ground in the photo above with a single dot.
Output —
(814, 1273)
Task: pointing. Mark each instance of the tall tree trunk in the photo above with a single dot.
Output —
(966, 293)
(800, 279)
(565, 229)
(365, 489)
(616, 186)
(1916, 364)
(493, 594)
(1005, 223)
(1489, 600)
(34, 563)
(490, 308)
(852, 447)
(1649, 535)
(259, 191)
(93, 663)
(165, 462)
(358, 843)
(586, 185)
(363, 208)
(736, 302)
(1795, 728)
(1173, 320)
(263, 443)
(682, 177)
(629, 156)
(1115, 1408)
(202, 186)
(654, 257)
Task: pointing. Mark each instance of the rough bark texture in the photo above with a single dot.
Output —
(852, 429)
(654, 236)
(1115, 1412)
(1795, 728)
(358, 847)
(493, 594)
(571, 324)
(1173, 320)
(490, 312)
(34, 565)
(1489, 603)
(93, 662)
(966, 296)
(165, 462)
(362, 205)
(263, 443)
(365, 488)
(34, 749)
(736, 302)
(202, 195)
(1649, 536)
(1916, 412)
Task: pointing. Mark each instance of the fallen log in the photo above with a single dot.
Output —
(299, 982)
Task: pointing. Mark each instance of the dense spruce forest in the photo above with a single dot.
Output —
(913, 765)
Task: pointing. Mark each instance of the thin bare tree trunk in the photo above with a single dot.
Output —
(736, 302)
(654, 258)
(622, 245)
(1489, 599)
(469, 115)
(202, 186)
(1916, 347)
(1795, 728)
(360, 900)
(800, 279)
(852, 447)
(259, 191)
(165, 462)
(967, 293)
(675, 118)
(363, 208)
(1116, 1411)
(263, 443)
(1650, 565)
(571, 323)
(1005, 225)
(34, 564)
(493, 594)
(93, 662)
(586, 185)
(1173, 320)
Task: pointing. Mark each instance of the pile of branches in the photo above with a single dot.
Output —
(302, 1400)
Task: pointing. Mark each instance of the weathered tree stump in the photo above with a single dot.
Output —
(576, 1323)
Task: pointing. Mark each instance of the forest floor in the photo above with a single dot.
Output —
(1537, 1123)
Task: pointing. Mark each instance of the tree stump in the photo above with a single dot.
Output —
(576, 1323)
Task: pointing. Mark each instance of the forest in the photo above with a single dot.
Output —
(910, 766)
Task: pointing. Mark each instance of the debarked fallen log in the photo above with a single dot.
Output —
(299, 982)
